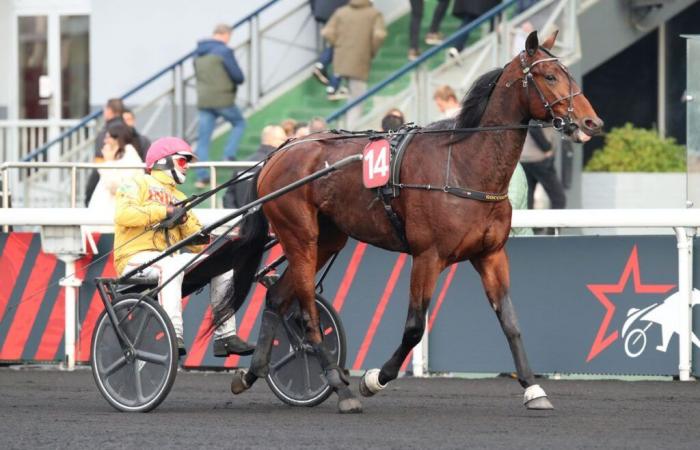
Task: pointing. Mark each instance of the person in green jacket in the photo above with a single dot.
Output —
(218, 76)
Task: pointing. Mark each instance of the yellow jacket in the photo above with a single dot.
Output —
(141, 203)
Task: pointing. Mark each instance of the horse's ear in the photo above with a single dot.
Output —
(549, 43)
(532, 43)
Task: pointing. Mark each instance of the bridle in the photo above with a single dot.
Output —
(563, 124)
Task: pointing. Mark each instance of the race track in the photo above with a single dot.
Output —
(55, 409)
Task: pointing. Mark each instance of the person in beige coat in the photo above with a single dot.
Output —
(356, 31)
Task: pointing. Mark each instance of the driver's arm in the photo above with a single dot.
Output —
(190, 227)
(133, 209)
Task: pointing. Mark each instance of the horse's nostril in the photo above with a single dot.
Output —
(592, 124)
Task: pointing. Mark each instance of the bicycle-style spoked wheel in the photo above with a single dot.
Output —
(138, 382)
(295, 373)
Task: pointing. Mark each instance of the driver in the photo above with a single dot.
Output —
(146, 200)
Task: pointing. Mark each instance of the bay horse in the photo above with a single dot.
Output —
(314, 221)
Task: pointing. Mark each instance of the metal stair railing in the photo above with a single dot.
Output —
(492, 50)
(257, 46)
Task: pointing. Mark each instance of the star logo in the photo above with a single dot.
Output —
(603, 338)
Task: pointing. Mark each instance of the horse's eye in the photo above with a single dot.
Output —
(550, 77)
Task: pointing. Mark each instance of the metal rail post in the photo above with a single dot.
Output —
(420, 352)
(5, 195)
(255, 61)
(173, 103)
(684, 237)
(71, 285)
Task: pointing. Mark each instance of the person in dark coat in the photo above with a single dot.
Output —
(272, 137)
(433, 37)
(468, 11)
(112, 113)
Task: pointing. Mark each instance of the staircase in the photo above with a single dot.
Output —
(308, 99)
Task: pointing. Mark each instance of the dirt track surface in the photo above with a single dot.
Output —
(55, 409)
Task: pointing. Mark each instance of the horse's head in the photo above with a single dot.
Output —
(551, 92)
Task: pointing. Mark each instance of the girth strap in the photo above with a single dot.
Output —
(394, 219)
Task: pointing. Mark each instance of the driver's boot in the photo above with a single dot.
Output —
(232, 345)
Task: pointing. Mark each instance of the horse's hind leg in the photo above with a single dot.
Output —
(493, 269)
(424, 274)
(330, 241)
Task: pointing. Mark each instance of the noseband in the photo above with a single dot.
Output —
(563, 124)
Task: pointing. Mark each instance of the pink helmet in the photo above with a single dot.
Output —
(167, 146)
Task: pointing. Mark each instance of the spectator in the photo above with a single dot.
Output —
(468, 11)
(446, 101)
(147, 201)
(537, 159)
(517, 195)
(356, 31)
(525, 4)
(322, 10)
(317, 124)
(117, 148)
(141, 142)
(289, 126)
(112, 112)
(301, 130)
(218, 77)
(272, 137)
(393, 120)
(433, 37)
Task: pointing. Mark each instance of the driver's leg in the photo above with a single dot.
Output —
(170, 297)
(226, 341)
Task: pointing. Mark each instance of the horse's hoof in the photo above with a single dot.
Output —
(369, 383)
(536, 398)
(349, 406)
(541, 403)
(238, 384)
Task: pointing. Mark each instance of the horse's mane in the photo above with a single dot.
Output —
(474, 103)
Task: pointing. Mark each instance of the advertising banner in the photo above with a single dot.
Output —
(588, 304)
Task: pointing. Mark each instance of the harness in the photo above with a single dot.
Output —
(564, 124)
(399, 142)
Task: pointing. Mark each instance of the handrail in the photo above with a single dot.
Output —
(490, 14)
(96, 114)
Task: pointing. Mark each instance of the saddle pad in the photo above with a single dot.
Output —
(375, 163)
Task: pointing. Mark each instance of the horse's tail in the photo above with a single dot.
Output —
(247, 253)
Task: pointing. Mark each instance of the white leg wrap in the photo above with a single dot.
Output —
(372, 381)
(533, 392)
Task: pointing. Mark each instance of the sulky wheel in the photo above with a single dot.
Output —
(295, 373)
(138, 380)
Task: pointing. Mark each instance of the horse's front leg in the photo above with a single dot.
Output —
(494, 272)
(424, 274)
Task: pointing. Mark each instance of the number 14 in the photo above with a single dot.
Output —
(378, 166)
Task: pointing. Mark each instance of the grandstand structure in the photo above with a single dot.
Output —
(64, 61)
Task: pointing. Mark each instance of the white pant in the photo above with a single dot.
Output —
(170, 297)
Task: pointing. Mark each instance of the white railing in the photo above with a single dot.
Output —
(68, 192)
(19, 137)
(683, 221)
